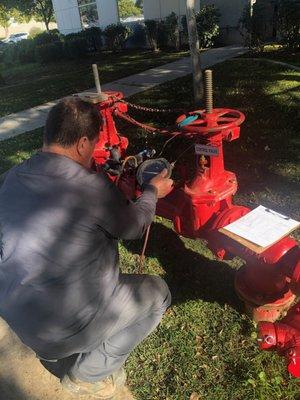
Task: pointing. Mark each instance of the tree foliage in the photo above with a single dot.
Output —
(41, 10)
(127, 8)
(7, 15)
(4, 18)
(140, 4)
(207, 20)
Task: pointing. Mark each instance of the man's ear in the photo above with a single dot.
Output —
(81, 145)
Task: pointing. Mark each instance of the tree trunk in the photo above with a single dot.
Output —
(45, 14)
(195, 51)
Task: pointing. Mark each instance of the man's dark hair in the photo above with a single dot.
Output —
(70, 120)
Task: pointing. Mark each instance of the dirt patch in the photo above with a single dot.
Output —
(22, 376)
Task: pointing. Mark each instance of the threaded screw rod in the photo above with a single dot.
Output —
(209, 91)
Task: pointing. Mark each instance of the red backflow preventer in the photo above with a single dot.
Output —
(200, 206)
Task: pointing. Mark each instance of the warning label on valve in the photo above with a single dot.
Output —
(206, 150)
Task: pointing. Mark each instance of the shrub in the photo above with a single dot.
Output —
(34, 31)
(137, 38)
(116, 36)
(93, 37)
(76, 48)
(49, 52)
(207, 20)
(253, 26)
(286, 21)
(152, 33)
(26, 51)
(289, 22)
(2, 81)
(172, 30)
(21, 52)
(88, 41)
(162, 35)
(47, 37)
(11, 54)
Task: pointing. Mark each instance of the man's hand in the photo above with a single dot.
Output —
(163, 184)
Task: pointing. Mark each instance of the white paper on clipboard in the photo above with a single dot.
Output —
(263, 226)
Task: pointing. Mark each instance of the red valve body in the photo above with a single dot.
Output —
(200, 207)
(108, 135)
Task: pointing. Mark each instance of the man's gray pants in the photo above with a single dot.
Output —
(137, 306)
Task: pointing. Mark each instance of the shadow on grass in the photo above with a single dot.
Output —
(190, 275)
(15, 150)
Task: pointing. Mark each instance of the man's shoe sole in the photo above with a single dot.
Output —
(69, 385)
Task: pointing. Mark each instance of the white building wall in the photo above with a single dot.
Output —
(68, 17)
(108, 12)
(159, 9)
(231, 12)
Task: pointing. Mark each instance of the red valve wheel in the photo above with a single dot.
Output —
(220, 119)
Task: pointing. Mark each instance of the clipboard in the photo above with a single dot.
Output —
(252, 246)
(266, 226)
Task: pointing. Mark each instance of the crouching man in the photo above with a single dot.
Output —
(60, 286)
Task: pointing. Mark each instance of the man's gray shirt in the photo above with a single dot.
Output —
(59, 226)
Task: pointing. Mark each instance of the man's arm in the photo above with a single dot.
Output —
(124, 219)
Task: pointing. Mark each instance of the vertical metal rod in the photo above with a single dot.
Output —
(252, 2)
(97, 79)
(209, 91)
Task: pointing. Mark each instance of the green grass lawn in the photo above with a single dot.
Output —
(206, 344)
(277, 53)
(30, 85)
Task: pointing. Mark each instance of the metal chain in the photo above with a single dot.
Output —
(147, 128)
(152, 110)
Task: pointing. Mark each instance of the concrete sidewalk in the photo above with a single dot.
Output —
(34, 118)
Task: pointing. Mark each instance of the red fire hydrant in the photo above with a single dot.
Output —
(284, 337)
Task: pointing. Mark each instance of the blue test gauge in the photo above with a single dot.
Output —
(150, 168)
